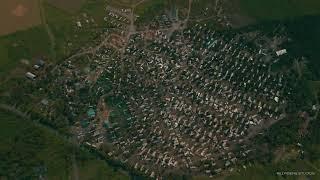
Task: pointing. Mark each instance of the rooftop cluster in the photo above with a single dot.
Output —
(196, 99)
(188, 101)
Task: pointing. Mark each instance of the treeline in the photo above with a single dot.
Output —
(27, 151)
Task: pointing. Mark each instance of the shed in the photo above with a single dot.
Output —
(31, 76)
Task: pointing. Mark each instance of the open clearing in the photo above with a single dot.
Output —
(27, 44)
(67, 5)
(18, 15)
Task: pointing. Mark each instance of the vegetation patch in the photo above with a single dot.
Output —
(149, 9)
(28, 151)
(279, 9)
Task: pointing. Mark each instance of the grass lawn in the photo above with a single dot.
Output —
(279, 9)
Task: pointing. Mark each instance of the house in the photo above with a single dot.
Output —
(44, 102)
(36, 66)
(91, 112)
(31, 76)
(281, 52)
(79, 24)
(40, 63)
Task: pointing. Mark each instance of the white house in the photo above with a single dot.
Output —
(31, 76)
(281, 52)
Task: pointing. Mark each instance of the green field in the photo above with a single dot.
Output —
(28, 44)
(279, 9)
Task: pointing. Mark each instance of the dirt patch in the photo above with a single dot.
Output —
(18, 15)
(68, 5)
(20, 11)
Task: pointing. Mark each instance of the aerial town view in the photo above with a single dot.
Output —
(160, 89)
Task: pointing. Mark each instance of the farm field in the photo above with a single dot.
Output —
(18, 15)
(70, 6)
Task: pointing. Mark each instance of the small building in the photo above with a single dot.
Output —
(36, 66)
(31, 76)
(40, 63)
(44, 102)
(79, 24)
(314, 107)
(281, 52)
